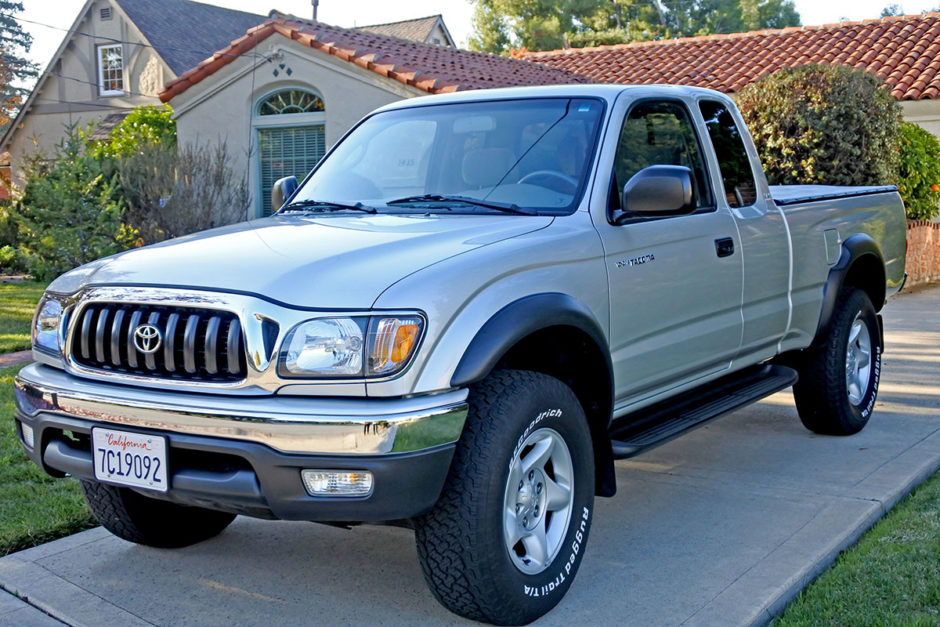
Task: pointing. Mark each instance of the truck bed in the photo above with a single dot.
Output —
(796, 194)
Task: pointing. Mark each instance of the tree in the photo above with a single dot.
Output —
(14, 42)
(551, 24)
(824, 124)
(892, 10)
(71, 211)
(690, 18)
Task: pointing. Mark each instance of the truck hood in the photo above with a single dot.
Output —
(334, 261)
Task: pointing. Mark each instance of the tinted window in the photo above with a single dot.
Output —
(534, 153)
(740, 190)
(659, 133)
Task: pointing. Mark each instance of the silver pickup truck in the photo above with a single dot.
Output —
(460, 319)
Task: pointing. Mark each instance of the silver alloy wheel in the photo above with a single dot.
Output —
(858, 363)
(538, 501)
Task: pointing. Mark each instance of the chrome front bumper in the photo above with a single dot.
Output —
(291, 425)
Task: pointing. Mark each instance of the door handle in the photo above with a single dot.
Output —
(724, 247)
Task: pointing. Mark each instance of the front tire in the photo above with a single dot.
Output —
(152, 522)
(506, 538)
(838, 383)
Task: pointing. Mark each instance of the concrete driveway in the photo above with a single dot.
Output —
(723, 526)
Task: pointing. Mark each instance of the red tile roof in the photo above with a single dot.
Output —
(904, 51)
(434, 69)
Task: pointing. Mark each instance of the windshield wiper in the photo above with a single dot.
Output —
(489, 204)
(326, 205)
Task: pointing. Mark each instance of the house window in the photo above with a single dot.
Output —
(291, 138)
(110, 71)
(289, 101)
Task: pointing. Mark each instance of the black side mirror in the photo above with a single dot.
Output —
(283, 189)
(659, 190)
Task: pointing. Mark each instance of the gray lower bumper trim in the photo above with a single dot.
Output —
(290, 425)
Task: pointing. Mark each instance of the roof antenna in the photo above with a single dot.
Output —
(315, 3)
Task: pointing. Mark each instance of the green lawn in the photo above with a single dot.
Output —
(891, 577)
(34, 507)
(17, 304)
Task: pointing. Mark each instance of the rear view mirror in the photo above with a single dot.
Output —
(658, 190)
(283, 189)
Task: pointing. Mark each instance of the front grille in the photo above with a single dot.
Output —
(193, 344)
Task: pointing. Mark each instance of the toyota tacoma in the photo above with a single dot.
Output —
(458, 321)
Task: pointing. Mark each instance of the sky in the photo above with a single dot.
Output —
(50, 18)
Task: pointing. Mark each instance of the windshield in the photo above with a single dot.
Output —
(515, 156)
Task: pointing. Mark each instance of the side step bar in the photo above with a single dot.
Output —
(664, 421)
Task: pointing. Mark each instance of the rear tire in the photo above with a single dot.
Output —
(152, 522)
(505, 540)
(838, 383)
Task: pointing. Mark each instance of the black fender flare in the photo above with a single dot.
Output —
(520, 319)
(855, 247)
(517, 320)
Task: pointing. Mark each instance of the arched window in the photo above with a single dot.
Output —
(289, 101)
(290, 130)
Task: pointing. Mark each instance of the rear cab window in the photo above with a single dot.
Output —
(740, 190)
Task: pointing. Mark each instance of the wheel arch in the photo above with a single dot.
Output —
(860, 265)
(556, 335)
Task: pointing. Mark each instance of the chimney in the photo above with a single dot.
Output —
(315, 3)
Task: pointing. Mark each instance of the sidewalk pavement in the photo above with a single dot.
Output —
(723, 526)
(19, 358)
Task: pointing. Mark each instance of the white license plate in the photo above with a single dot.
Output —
(131, 459)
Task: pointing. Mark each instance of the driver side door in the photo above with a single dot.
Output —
(675, 282)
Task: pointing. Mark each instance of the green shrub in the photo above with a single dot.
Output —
(145, 125)
(823, 124)
(919, 172)
(175, 190)
(8, 229)
(70, 213)
(11, 260)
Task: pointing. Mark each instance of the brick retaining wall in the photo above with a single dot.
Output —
(923, 252)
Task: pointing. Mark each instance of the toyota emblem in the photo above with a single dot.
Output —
(147, 339)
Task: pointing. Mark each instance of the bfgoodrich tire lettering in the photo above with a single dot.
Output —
(838, 383)
(151, 522)
(466, 552)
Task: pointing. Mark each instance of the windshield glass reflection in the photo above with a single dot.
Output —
(520, 156)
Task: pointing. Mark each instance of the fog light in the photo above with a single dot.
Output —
(27, 434)
(337, 482)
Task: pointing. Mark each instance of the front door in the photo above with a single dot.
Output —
(675, 282)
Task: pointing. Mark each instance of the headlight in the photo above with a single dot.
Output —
(46, 324)
(348, 348)
(329, 347)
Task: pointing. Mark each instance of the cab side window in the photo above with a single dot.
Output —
(659, 133)
(736, 175)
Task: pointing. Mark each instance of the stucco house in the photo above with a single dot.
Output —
(119, 55)
(289, 88)
(904, 51)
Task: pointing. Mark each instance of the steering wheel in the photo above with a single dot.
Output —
(570, 184)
